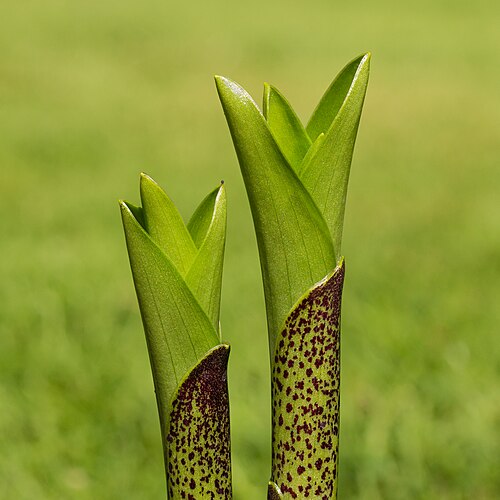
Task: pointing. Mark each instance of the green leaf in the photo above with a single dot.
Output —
(164, 224)
(311, 153)
(178, 332)
(305, 393)
(294, 242)
(198, 442)
(208, 227)
(334, 97)
(285, 126)
(202, 217)
(326, 174)
(138, 213)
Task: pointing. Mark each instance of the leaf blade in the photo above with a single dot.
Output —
(164, 224)
(326, 176)
(178, 332)
(201, 219)
(285, 126)
(294, 242)
(205, 275)
(333, 98)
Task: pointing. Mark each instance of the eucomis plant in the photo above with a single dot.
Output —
(296, 179)
(177, 271)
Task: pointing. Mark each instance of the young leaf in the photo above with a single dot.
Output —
(205, 275)
(334, 97)
(178, 332)
(286, 127)
(202, 217)
(326, 174)
(164, 224)
(199, 459)
(294, 242)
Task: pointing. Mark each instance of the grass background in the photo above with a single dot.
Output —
(92, 93)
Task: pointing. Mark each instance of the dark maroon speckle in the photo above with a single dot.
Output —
(198, 451)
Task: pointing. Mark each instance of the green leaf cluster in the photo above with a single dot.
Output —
(296, 179)
(177, 271)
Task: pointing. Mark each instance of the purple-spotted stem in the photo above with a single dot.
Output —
(198, 441)
(306, 394)
(296, 179)
(177, 272)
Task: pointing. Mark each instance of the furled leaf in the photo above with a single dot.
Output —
(199, 460)
(202, 217)
(294, 242)
(164, 224)
(334, 98)
(326, 174)
(285, 126)
(205, 275)
(305, 393)
(178, 332)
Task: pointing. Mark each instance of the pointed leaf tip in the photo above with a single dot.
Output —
(335, 95)
(199, 223)
(127, 209)
(230, 91)
(285, 126)
(207, 227)
(165, 225)
(326, 175)
(178, 331)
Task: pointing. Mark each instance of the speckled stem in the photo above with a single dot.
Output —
(198, 443)
(305, 395)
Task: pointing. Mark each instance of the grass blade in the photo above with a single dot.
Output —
(333, 98)
(202, 218)
(311, 153)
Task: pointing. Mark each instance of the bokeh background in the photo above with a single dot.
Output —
(92, 93)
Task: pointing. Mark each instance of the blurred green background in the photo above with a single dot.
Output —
(92, 93)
